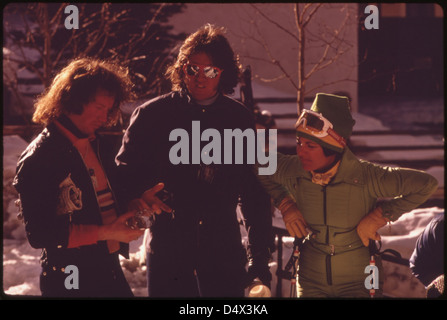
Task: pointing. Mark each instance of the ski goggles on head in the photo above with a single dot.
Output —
(318, 126)
(192, 70)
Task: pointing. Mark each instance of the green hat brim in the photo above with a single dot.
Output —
(320, 142)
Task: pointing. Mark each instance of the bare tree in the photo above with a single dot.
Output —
(318, 43)
(136, 35)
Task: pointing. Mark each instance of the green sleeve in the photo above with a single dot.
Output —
(405, 189)
(275, 184)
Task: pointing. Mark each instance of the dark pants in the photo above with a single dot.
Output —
(171, 277)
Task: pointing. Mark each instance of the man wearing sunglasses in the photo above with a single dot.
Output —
(329, 196)
(198, 251)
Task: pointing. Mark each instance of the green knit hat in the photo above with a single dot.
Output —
(336, 109)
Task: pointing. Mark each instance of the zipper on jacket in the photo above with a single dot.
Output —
(328, 266)
(329, 256)
(323, 189)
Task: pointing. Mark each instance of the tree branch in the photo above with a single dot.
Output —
(274, 22)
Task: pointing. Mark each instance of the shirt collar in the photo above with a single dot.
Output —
(349, 170)
(325, 177)
(69, 130)
(201, 103)
(69, 125)
(207, 102)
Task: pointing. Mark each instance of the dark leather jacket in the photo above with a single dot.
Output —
(427, 259)
(205, 196)
(47, 161)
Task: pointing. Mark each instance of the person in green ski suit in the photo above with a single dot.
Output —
(328, 195)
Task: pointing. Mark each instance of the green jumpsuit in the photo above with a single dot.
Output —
(333, 261)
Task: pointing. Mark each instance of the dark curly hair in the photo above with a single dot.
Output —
(77, 84)
(208, 39)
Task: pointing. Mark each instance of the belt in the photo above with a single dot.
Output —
(329, 250)
(333, 240)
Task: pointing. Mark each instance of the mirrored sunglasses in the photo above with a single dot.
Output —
(192, 70)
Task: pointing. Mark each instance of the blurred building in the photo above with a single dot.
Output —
(263, 32)
(404, 57)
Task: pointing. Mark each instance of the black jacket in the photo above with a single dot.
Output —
(205, 196)
(46, 162)
(427, 259)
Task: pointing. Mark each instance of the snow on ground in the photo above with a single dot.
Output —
(401, 236)
(21, 262)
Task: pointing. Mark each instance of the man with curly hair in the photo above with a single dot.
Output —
(197, 251)
(65, 178)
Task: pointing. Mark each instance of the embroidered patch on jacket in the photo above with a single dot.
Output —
(70, 197)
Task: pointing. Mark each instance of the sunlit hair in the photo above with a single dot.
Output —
(77, 85)
(210, 40)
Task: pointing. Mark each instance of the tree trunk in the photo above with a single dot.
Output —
(301, 47)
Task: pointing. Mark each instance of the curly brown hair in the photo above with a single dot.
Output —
(77, 84)
(211, 40)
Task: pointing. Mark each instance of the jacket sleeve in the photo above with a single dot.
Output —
(274, 184)
(255, 206)
(256, 209)
(404, 189)
(82, 235)
(427, 259)
(38, 190)
(133, 159)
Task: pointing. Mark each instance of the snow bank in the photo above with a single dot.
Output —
(21, 268)
(401, 236)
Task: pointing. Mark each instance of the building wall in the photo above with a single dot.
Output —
(405, 56)
(253, 34)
